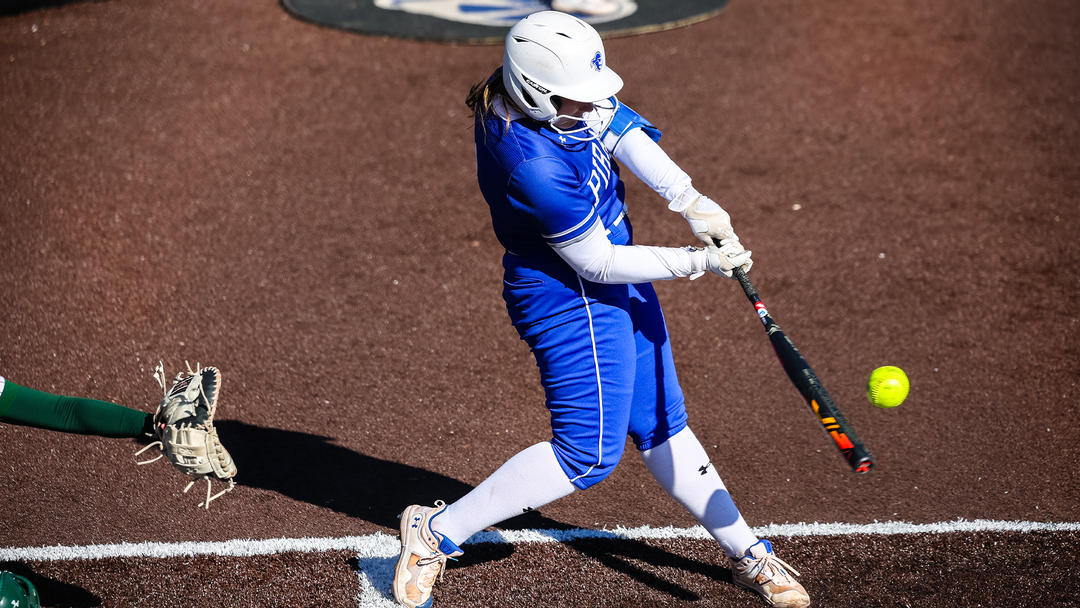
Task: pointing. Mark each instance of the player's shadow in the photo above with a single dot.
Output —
(618, 555)
(313, 469)
(14, 7)
(53, 592)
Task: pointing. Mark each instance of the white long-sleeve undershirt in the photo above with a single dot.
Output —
(647, 160)
(596, 259)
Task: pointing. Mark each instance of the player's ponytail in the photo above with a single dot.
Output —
(483, 94)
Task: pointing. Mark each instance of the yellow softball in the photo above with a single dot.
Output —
(888, 386)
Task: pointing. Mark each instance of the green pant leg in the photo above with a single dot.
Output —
(29, 407)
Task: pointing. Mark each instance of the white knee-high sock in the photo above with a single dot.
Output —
(531, 479)
(683, 469)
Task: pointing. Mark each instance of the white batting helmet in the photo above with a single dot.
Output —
(552, 54)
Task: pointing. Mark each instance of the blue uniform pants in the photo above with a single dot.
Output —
(605, 363)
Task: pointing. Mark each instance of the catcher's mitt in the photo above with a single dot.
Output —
(184, 428)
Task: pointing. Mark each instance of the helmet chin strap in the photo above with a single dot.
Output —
(592, 124)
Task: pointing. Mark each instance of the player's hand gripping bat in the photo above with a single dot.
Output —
(804, 379)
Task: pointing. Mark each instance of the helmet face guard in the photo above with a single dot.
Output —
(552, 55)
(592, 124)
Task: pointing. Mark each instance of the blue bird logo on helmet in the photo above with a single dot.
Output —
(597, 61)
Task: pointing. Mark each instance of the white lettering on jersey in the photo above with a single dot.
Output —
(601, 171)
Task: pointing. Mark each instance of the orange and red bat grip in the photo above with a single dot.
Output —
(809, 386)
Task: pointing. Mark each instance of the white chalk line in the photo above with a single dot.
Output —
(377, 553)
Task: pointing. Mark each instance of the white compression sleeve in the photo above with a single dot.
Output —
(597, 260)
(531, 479)
(647, 160)
(683, 469)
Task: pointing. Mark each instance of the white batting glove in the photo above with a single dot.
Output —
(708, 220)
(723, 260)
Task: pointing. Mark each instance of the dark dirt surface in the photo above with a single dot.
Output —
(220, 183)
(903, 571)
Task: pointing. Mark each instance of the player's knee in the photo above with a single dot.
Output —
(593, 475)
(586, 470)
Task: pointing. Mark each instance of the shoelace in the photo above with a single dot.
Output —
(774, 567)
(427, 576)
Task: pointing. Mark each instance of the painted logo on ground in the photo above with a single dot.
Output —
(492, 13)
(487, 21)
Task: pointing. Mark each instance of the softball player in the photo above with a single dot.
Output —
(578, 291)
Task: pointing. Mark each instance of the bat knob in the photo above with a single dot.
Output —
(861, 462)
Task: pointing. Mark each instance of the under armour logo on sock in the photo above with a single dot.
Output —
(705, 468)
(526, 509)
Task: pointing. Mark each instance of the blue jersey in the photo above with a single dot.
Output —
(544, 188)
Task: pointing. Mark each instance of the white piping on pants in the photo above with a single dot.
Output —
(599, 387)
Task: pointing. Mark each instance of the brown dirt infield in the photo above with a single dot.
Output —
(219, 183)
